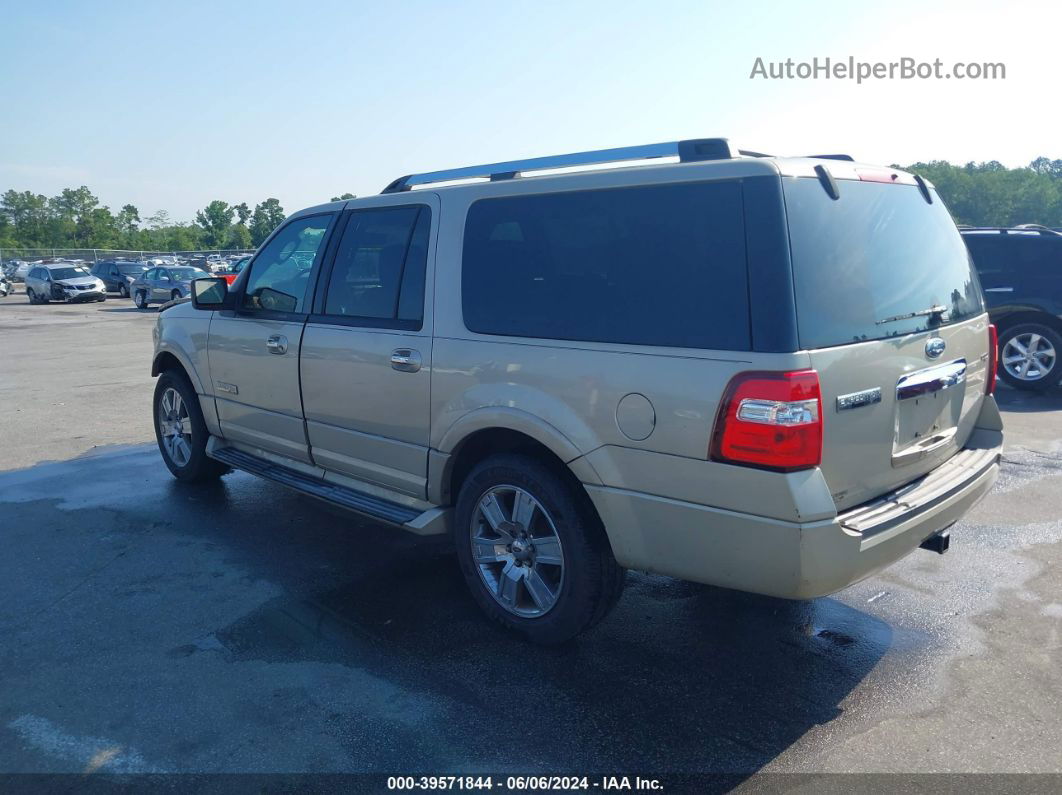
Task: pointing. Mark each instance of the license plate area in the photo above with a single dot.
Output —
(928, 408)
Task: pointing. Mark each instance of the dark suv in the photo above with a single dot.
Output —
(1021, 274)
(117, 275)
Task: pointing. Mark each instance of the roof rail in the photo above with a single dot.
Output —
(686, 151)
(830, 157)
(1039, 229)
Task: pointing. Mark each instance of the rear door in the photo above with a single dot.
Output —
(254, 349)
(891, 311)
(367, 348)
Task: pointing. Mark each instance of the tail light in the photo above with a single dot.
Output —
(771, 420)
(993, 359)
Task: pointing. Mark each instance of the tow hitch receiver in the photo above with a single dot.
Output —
(938, 542)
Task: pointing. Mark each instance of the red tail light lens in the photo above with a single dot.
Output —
(993, 359)
(771, 420)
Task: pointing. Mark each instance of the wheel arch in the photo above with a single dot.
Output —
(1020, 317)
(479, 441)
(169, 359)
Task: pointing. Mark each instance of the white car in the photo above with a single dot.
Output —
(63, 281)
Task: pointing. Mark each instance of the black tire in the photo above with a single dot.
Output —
(123, 291)
(101, 299)
(175, 295)
(592, 581)
(1049, 365)
(140, 299)
(31, 296)
(198, 468)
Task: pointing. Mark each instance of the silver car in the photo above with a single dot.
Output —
(63, 282)
(159, 285)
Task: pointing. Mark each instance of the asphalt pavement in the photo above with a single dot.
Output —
(148, 626)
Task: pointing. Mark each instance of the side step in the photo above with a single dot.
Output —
(375, 507)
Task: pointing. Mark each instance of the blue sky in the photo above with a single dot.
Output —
(172, 105)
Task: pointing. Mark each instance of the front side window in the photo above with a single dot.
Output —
(379, 266)
(280, 274)
(654, 265)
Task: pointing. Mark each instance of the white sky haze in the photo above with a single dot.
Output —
(168, 106)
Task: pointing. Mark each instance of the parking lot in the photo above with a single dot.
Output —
(154, 627)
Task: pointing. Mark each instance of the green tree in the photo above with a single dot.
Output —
(343, 198)
(243, 213)
(28, 216)
(239, 236)
(266, 217)
(215, 219)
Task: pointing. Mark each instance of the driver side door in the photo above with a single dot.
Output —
(254, 349)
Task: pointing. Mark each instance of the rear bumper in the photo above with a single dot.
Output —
(795, 560)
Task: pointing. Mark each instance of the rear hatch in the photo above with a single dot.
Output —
(891, 312)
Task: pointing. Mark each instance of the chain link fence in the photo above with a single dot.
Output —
(97, 254)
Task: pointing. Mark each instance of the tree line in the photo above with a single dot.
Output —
(979, 194)
(76, 219)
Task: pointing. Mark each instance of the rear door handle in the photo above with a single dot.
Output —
(406, 360)
(277, 344)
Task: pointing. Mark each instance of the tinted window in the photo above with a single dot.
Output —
(280, 274)
(660, 265)
(877, 253)
(379, 265)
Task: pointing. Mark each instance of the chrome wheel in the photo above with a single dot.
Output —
(175, 428)
(1028, 357)
(517, 552)
(123, 291)
(140, 300)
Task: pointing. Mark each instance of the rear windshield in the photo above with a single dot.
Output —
(864, 261)
(656, 265)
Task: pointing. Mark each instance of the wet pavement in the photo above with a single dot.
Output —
(151, 626)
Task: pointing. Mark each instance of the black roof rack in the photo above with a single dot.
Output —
(1020, 229)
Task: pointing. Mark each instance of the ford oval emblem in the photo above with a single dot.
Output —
(935, 347)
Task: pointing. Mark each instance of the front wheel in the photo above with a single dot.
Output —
(532, 550)
(1028, 356)
(140, 299)
(180, 430)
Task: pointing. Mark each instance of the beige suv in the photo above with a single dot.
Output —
(769, 374)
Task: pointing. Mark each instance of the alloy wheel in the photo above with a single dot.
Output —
(517, 551)
(1028, 357)
(175, 427)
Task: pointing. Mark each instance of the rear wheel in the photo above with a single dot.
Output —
(1028, 356)
(140, 299)
(175, 295)
(180, 430)
(532, 551)
(123, 291)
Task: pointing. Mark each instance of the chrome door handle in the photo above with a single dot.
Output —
(277, 344)
(999, 289)
(406, 360)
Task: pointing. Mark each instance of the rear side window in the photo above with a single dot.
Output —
(868, 265)
(658, 265)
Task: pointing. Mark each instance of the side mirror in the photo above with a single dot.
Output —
(210, 294)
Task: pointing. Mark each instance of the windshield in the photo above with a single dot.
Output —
(131, 270)
(68, 273)
(877, 262)
(185, 274)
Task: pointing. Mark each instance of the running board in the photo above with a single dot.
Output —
(342, 496)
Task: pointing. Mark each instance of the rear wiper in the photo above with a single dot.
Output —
(933, 310)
